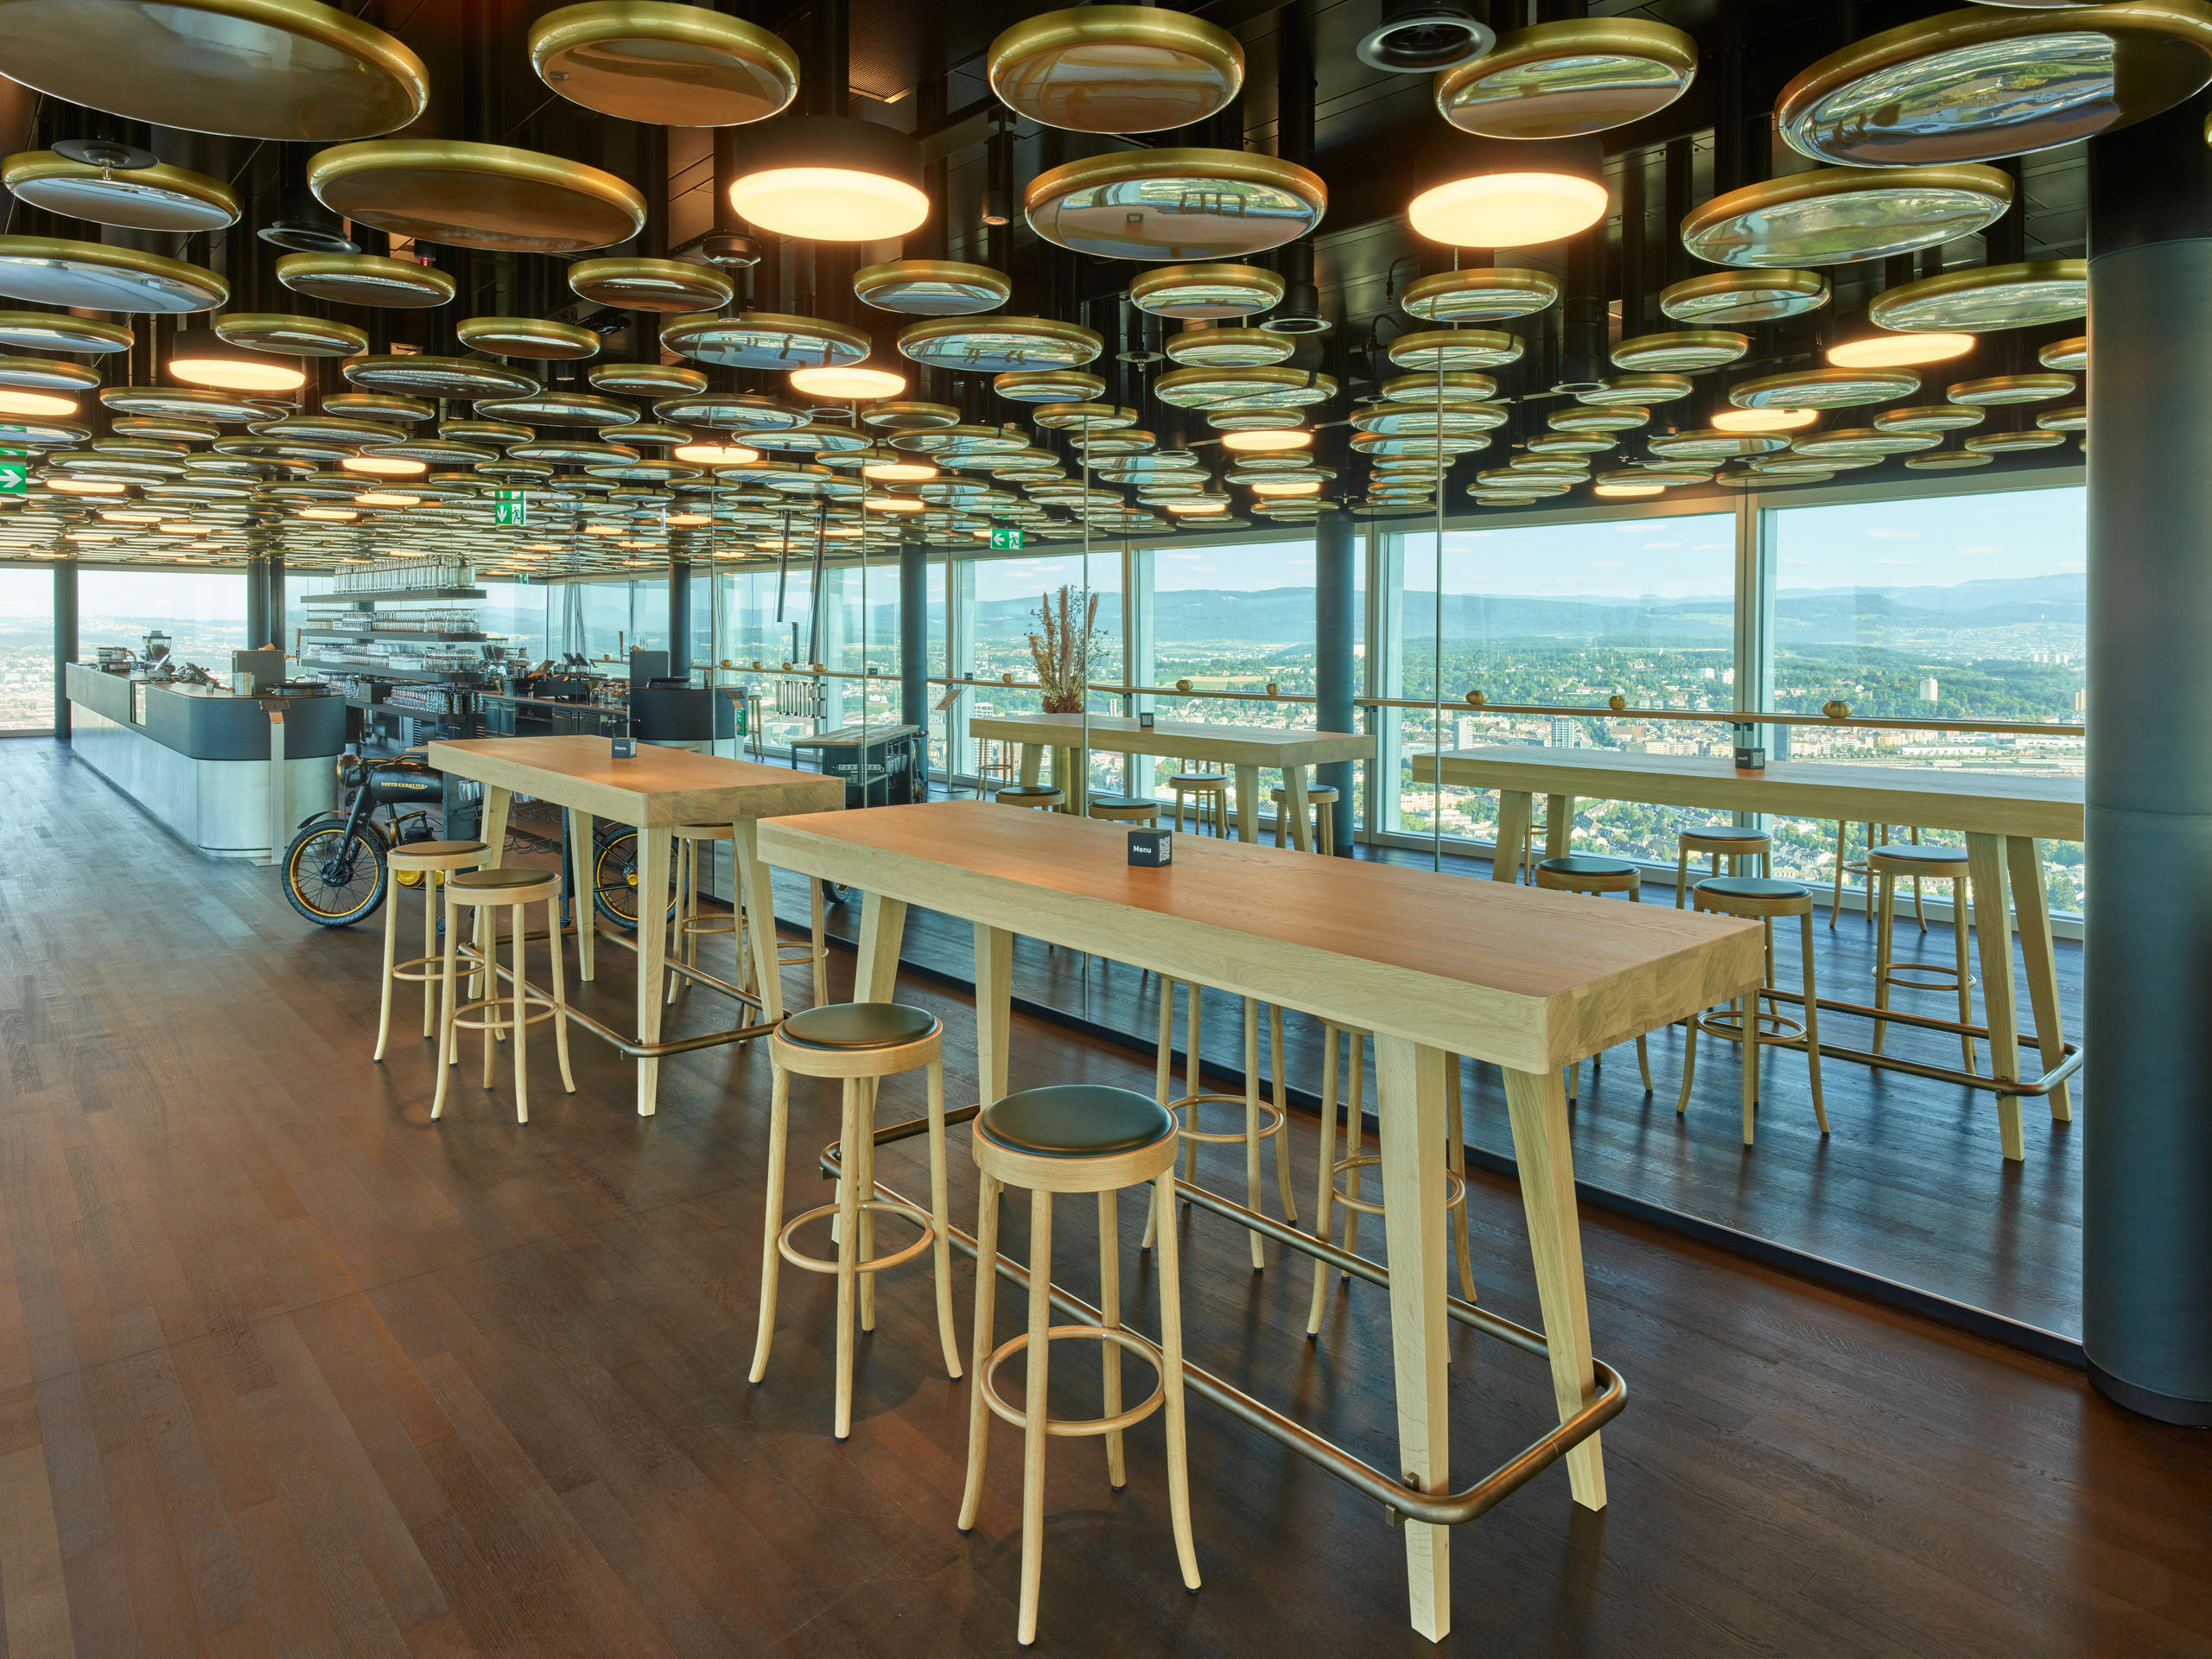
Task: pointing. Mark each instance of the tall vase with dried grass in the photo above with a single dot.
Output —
(1062, 650)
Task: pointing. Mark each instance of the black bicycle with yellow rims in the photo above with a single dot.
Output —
(335, 871)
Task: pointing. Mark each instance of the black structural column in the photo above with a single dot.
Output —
(2146, 1153)
(65, 640)
(913, 633)
(679, 619)
(273, 574)
(257, 604)
(1334, 605)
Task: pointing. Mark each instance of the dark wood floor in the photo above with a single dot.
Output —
(285, 1369)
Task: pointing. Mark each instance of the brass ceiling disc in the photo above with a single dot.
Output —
(653, 432)
(58, 331)
(1947, 461)
(814, 438)
(97, 277)
(537, 338)
(732, 411)
(1228, 348)
(1824, 389)
(289, 335)
(47, 374)
(558, 406)
(2007, 443)
(2009, 389)
(498, 433)
(515, 472)
(1206, 293)
(1115, 69)
(1452, 386)
(2068, 417)
(42, 434)
(1928, 417)
(1729, 297)
(1049, 386)
(1523, 483)
(347, 430)
(282, 70)
(2062, 354)
(675, 65)
(1478, 295)
(1569, 443)
(1455, 348)
(765, 340)
(1682, 351)
(666, 285)
(1986, 297)
(998, 345)
(1989, 82)
(493, 197)
(421, 375)
(1846, 442)
(1620, 418)
(645, 379)
(1084, 417)
(1706, 444)
(362, 279)
(949, 440)
(379, 406)
(1838, 215)
(931, 288)
(1562, 79)
(1401, 443)
(1161, 205)
(1640, 389)
(435, 452)
(647, 472)
(574, 452)
(188, 402)
(1431, 420)
(157, 198)
(164, 428)
(1276, 387)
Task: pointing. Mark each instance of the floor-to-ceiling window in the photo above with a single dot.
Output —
(26, 648)
(1005, 603)
(202, 612)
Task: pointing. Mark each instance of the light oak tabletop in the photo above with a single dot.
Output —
(656, 786)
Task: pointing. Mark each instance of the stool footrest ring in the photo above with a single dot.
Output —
(1271, 1117)
(1728, 1027)
(797, 1258)
(1948, 981)
(1070, 1428)
(1455, 1188)
(539, 1007)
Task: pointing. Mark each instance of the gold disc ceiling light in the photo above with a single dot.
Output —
(1987, 298)
(48, 271)
(155, 198)
(664, 285)
(765, 340)
(538, 338)
(1115, 69)
(1566, 78)
(289, 335)
(57, 331)
(470, 195)
(1728, 297)
(931, 288)
(676, 65)
(1000, 345)
(1482, 294)
(1206, 293)
(1991, 81)
(1838, 215)
(1162, 205)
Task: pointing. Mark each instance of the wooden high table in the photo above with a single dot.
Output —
(1435, 966)
(2002, 817)
(1247, 749)
(652, 791)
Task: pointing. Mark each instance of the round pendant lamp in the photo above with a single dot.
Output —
(1115, 69)
(2066, 355)
(847, 383)
(1726, 298)
(155, 198)
(1777, 419)
(830, 178)
(1680, 352)
(201, 357)
(59, 331)
(538, 338)
(1898, 350)
(493, 197)
(1838, 215)
(1210, 293)
(1823, 389)
(931, 288)
(1161, 205)
(1986, 297)
(100, 277)
(1491, 193)
(1456, 348)
(365, 279)
(676, 65)
(1478, 295)
(1566, 78)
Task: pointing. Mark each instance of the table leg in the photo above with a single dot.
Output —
(1073, 778)
(493, 835)
(1295, 804)
(583, 856)
(1410, 1080)
(759, 901)
(1031, 760)
(1247, 805)
(1537, 1103)
(1559, 825)
(883, 925)
(994, 1010)
(1993, 924)
(653, 850)
(2023, 853)
(1514, 806)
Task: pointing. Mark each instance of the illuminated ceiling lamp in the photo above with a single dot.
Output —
(830, 178)
(1266, 440)
(200, 357)
(851, 382)
(1898, 351)
(1764, 420)
(385, 465)
(1496, 192)
(1628, 489)
(710, 452)
(893, 467)
(23, 400)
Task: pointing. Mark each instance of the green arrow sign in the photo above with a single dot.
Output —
(15, 473)
(510, 507)
(1009, 536)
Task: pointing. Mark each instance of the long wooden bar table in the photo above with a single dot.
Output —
(2003, 818)
(652, 791)
(1435, 966)
(1247, 749)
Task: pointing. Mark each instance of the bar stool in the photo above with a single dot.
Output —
(1041, 796)
(1757, 899)
(429, 860)
(858, 1044)
(1886, 866)
(1323, 797)
(1263, 1118)
(1074, 1138)
(1720, 840)
(692, 841)
(1209, 793)
(1588, 874)
(1356, 1203)
(516, 888)
(1844, 866)
(1126, 809)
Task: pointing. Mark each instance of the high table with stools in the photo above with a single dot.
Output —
(1432, 964)
(653, 791)
(2002, 816)
(1247, 749)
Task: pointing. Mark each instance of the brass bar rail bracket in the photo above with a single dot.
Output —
(1401, 1502)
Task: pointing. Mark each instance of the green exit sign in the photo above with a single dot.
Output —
(510, 507)
(15, 473)
(1006, 537)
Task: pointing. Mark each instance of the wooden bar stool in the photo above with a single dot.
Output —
(1263, 1118)
(859, 1043)
(694, 842)
(1126, 809)
(1887, 866)
(1720, 840)
(1588, 873)
(1074, 1138)
(429, 860)
(1041, 797)
(1324, 797)
(1844, 866)
(1758, 899)
(1355, 1201)
(516, 888)
(1209, 793)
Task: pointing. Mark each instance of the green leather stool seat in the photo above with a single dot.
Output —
(1074, 1120)
(1124, 803)
(1587, 864)
(1729, 832)
(1904, 852)
(1751, 887)
(858, 1025)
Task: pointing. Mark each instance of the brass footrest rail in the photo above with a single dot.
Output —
(631, 1045)
(2037, 1086)
(1403, 1503)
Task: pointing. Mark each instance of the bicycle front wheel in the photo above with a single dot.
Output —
(334, 879)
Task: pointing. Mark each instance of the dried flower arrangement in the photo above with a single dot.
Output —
(1062, 651)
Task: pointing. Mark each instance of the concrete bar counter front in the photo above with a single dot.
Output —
(198, 758)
